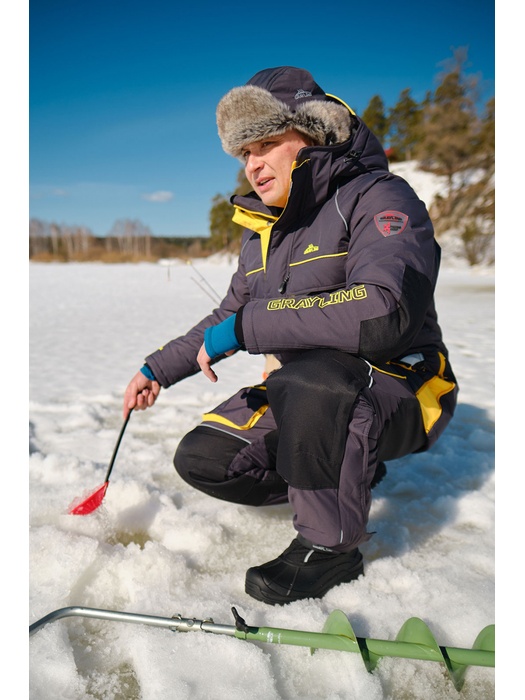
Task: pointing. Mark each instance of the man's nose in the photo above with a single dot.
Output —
(253, 163)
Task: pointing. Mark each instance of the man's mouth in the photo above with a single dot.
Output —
(264, 183)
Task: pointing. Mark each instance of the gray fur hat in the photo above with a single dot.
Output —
(276, 100)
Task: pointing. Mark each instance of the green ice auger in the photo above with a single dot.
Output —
(413, 641)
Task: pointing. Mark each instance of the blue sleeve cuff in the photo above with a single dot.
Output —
(146, 371)
(221, 338)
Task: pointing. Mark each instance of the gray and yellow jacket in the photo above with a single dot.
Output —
(350, 263)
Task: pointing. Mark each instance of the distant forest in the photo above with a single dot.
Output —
(128, 241)
(445, 133)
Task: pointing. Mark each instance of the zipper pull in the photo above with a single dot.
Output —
(282, 286)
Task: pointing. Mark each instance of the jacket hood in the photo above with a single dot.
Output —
(319, 169)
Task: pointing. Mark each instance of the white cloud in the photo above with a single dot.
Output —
(43, 192)
(160, 196)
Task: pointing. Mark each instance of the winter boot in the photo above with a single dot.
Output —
(303, 570)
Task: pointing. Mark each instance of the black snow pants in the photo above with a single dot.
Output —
(313, 435)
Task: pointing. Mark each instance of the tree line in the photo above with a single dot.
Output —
(445, 133)
(129, 240)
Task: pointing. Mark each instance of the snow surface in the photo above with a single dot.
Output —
(157, 547)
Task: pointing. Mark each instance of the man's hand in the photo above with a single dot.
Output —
(140, 394)
(204, 361)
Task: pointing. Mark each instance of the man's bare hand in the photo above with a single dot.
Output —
(204, 361)
(140, 394)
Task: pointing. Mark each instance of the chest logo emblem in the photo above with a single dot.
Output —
(311, 249)
(390, 222)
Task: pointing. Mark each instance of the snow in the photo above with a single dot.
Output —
(426, 184)
(157, 547)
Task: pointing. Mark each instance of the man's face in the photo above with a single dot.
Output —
(268, 164)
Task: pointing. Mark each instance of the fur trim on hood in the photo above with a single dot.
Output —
(252, 112)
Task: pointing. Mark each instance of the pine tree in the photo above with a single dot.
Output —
(375, 118)
(450, 123)
(224, 233)
(486, 145)
(405, 126)
(222, 229)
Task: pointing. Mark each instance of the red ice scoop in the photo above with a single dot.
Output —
(86, 505)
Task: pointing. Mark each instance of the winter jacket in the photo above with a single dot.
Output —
(350, 263)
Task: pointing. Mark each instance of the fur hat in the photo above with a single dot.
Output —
(276, 100)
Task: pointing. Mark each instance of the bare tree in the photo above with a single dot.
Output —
(132, 236)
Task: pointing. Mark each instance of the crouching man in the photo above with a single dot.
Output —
(335, 278)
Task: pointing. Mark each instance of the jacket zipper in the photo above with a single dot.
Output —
(282, 286)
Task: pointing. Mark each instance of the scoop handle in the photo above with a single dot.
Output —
(112, 462)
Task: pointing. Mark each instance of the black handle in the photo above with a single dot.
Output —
(117, 446)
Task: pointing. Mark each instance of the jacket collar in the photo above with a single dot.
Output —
(317, 172)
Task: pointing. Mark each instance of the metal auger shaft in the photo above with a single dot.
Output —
(414, 640)
(176, 623)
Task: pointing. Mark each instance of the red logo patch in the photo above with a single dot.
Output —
(390, 222)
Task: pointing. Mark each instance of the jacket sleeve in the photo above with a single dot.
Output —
(381, 306)
(178, 358)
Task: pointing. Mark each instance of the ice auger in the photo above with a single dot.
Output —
(413, 641)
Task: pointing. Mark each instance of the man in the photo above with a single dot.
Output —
(336, 277)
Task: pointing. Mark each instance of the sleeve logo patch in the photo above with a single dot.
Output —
(390, 222)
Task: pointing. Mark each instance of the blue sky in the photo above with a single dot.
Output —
(122, 95)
